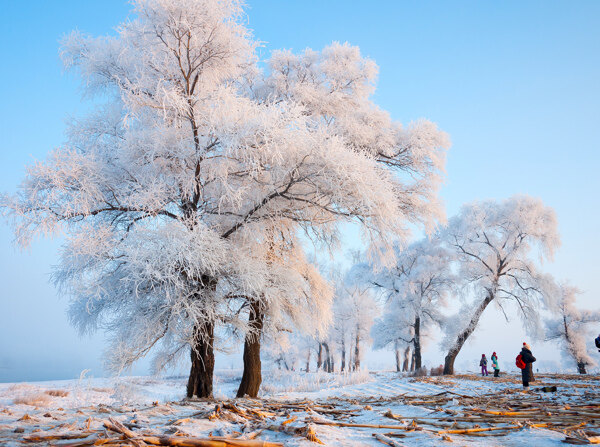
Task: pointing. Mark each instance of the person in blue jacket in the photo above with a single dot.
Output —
(494, 360)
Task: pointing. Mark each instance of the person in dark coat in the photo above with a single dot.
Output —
(527, 372)
(598, 343)
(483, 363)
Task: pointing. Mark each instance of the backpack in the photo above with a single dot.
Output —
(520, 363)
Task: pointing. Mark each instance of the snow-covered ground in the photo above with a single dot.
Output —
(150, 405)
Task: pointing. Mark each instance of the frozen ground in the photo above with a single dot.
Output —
(299, 407)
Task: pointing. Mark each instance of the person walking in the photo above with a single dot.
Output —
(483, 363)
(494, 359)
(526, 365)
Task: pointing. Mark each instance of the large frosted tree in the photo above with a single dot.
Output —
(192, 158)
(496, 243)
(571, 328)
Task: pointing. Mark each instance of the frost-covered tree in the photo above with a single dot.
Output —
(382, 339)
(571, 327)
(415, 291)
(495, 244)
(295, 299)
(286, 349)
(166, 190)
(363, 309)
(342, 326)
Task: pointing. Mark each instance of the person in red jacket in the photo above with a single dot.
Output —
(527, 372)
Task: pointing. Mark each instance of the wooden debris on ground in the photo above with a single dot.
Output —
(574, 410)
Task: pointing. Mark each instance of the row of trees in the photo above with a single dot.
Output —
(486, 254)
(183, 196)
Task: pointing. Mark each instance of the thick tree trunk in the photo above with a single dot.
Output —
(581, 368)
(398, 366)
(412, 361)
(252, 375)
(200, 382)
(343, 367)
(308, 361)
(464, 335)
(417, 343)
(357, 353)
(406, 359)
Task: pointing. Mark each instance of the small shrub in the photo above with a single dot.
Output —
(35, 400)
(57, 393)
(437, 371)
(103, 390)
(422, 372)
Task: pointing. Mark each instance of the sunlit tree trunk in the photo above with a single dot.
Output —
(252, 375)
(200, 381)
(464, 335)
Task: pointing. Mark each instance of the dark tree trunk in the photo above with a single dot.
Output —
(200, 382)
(464, 335)
(308, 361)
(252, 375)
(412, 361)
(580, 365)
(343, 366)
(327, 366)
(357, 352)
(406, 359)
(398, 367)
(320, 356)
(417, 343)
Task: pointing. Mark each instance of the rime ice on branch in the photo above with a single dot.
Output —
(195, 159)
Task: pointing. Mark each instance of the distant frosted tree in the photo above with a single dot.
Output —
(342, 326)
(392, 331)
(363, 309)
(571, 328)
(495, 243)
(168, 189)
(415, 290)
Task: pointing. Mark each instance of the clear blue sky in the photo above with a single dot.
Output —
(516, 84)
